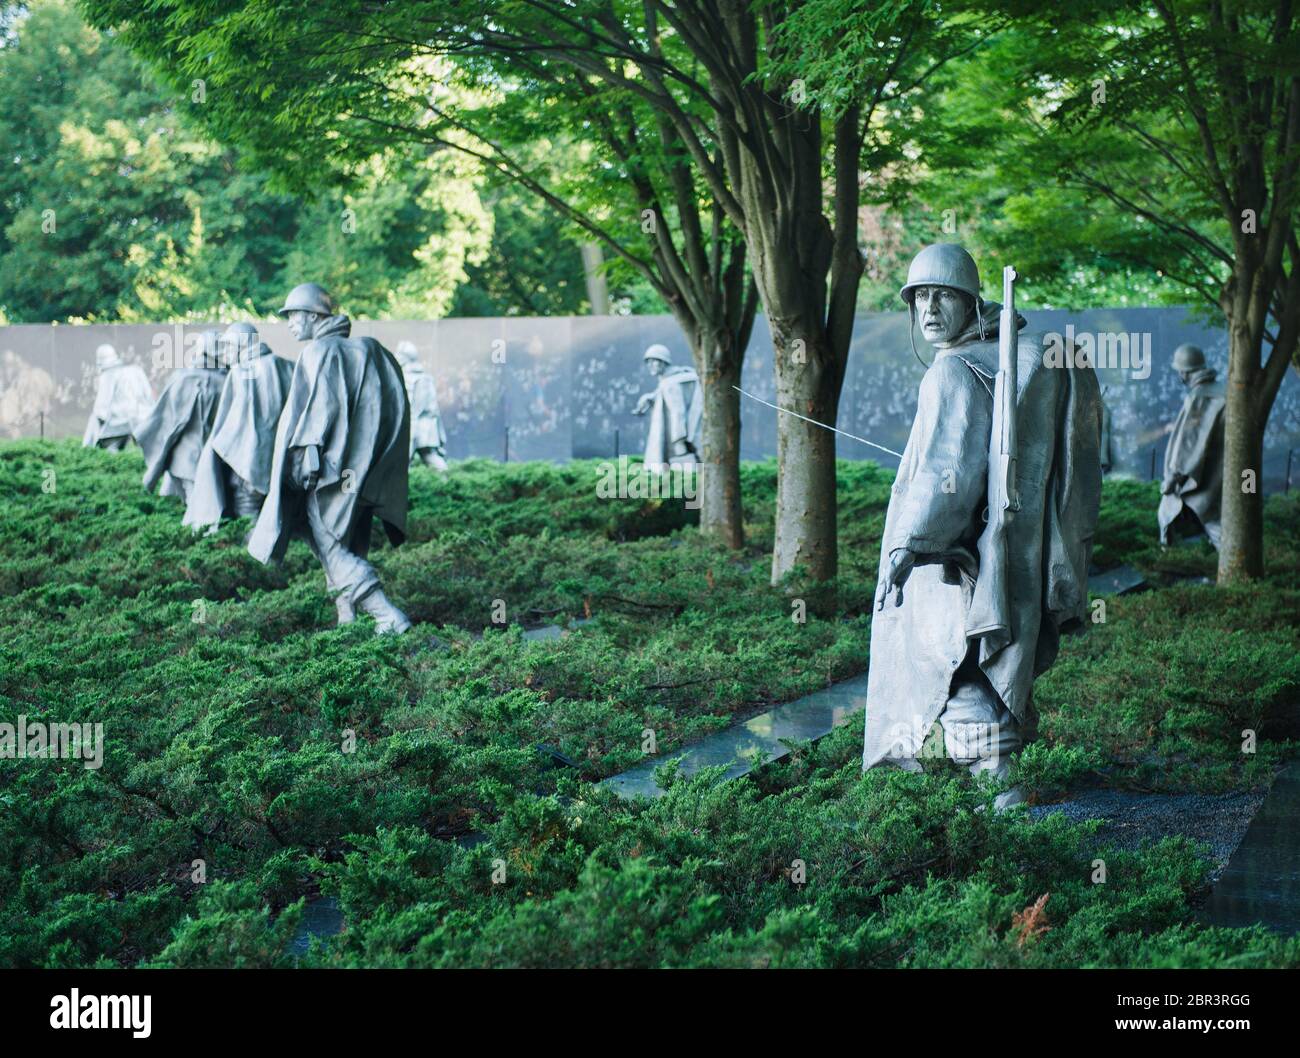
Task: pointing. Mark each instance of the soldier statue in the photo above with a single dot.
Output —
(988, 535)
(428, 438)
(340, 457)
(174, 432)
(234, 468)
(1192, 489)
(676, 408)
(122, 399)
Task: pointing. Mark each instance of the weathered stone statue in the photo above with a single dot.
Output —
(172, 435)
(234, 468)
(676, 408)
(122, 399)
(340, 459)
(1192, 490)
(428, 438)
(988, 535)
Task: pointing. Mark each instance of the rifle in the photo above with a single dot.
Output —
(1007, 495)
(990, 608)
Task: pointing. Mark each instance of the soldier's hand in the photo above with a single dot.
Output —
(643, 405)
(901, 562)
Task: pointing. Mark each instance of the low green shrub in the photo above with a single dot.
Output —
(251, 742)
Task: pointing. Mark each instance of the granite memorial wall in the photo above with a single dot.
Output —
(565, 387)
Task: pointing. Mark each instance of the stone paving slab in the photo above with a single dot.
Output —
(1115, 581)
(806, 718)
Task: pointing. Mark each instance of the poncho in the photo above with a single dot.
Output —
(937, 510)
(1194, 458)
(172, 435)
(347, 399)
(243, 434)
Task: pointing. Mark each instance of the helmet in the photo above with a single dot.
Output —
(943, 264)
(106, 356)
(308, 297)
(207, 351)
(238, 340)
(1188, 357)
(658, 352)
(407, 353)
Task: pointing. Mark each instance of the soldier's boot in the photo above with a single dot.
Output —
(388, 618)
(1004, 801)
(431, 457)
(346, 613)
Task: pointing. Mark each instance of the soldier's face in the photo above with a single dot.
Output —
(655, 367)
(941, 312)
(302, 324)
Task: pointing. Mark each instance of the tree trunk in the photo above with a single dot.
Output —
(721, 515)
(1241, 544)
(806, 504)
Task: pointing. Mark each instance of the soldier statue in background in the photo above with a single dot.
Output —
(172, 435)
(988, 534)
(340, 459)
(122, 399)
(234, 468)
(428, 438)
(676, 408)
(1192, 489)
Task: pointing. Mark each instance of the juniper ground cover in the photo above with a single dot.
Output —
(254, 744)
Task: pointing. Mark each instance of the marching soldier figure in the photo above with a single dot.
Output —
(676, 409)
(234, 469)
(174, 432)
(988, 535)
(1192, 489)
(122, 399)
(340, 457)
(428, 438)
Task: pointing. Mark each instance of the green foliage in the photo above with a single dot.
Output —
(562, 158)
(228, 698)
(115, 207)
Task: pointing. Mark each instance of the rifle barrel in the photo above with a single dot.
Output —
(1008, 343)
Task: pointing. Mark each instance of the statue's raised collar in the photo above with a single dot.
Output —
(333, 327)
(992, 312)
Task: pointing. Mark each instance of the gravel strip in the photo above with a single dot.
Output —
(1218, 820)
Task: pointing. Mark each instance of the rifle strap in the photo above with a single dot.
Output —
(985, 380)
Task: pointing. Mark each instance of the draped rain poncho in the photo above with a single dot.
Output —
(122, 399)
(1194, 458)
(674, 417)
(347, 399)
(937, 510)
(243, 434)
(426, 420)
(174, 432)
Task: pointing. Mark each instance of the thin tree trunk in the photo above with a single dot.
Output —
(806, 503)
(1241, 543)
(721, 515)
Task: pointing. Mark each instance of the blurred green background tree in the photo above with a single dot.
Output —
(153, 220)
